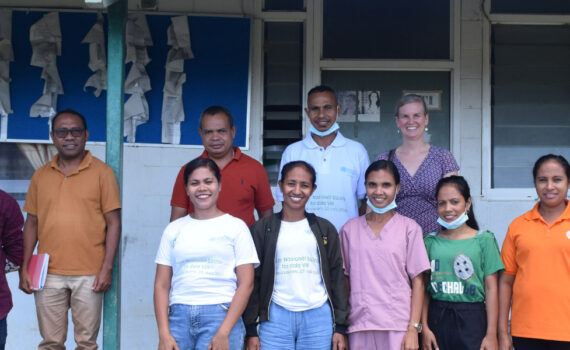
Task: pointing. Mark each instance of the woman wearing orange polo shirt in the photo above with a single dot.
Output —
(536, 254)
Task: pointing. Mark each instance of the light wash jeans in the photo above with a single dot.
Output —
(194, 326)
(310, 329)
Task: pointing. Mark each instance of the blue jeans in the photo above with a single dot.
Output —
(194, 326)
(3, 332)
(310, 329)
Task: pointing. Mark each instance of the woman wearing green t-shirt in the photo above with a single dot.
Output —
(461, 307)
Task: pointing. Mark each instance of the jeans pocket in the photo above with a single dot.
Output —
(176, 309)
(170, 310)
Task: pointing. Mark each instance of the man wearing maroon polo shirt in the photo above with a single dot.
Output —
(245, 186)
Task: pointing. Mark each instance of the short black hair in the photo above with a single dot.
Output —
(201, 163)
(69, 111)
(213, 110)
(323, 88)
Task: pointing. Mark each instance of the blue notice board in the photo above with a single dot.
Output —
(217, 75)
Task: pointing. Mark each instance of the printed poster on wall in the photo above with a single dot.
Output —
(361, 106)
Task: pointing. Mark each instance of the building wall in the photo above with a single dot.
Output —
(149, 173)
(494, 213)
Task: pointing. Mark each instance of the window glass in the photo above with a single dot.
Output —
(282, 107)
(15, 171)
(530, 103)
(405, 29)
(373, 123)
(531, 6)
(284, 5)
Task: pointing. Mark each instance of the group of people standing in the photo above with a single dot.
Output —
(387, 255)
(414, 268)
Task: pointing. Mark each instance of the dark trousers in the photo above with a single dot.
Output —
(3, 332)
(457, 325)
(539, 344)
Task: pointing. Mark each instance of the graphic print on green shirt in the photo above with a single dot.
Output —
(459, 266)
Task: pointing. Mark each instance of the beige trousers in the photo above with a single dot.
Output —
(61, 293)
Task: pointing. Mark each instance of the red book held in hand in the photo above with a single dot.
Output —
(37, 269)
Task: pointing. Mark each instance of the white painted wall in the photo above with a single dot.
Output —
(493, 214)
(149, 173)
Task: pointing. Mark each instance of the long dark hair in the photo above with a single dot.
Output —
(463, 188)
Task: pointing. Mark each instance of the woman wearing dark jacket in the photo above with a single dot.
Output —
(299, 298)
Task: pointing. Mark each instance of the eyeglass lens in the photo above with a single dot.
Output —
(75, 132)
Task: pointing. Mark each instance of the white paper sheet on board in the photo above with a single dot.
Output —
(137, 83)
(45, 39)
(6, 56)
(97, 57)
(178, 34)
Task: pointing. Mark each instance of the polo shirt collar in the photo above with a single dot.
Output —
(85, 163)
(237, 153)
(338, 141)
(533, 214)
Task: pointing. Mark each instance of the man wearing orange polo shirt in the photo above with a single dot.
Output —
(73, 208)
(245, 186)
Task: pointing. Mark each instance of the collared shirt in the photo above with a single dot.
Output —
(11, 241)
(538, 254)
(70, 210)
(340, 176)
(245, 187)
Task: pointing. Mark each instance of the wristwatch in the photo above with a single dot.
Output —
(417, 326)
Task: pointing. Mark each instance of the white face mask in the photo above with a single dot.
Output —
(382, 210)
(455, 223)
(332, 129)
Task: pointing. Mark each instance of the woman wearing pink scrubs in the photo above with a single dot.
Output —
(384, 258)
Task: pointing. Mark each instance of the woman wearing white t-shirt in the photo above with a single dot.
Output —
(299, 297)
(204, 273)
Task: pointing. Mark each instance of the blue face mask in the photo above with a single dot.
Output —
(455, 223)
(382, 210)
(332, 129)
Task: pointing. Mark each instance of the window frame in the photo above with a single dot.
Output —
(315, 64)
(488, 192)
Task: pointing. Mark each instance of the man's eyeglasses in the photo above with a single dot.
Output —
(62, 133)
